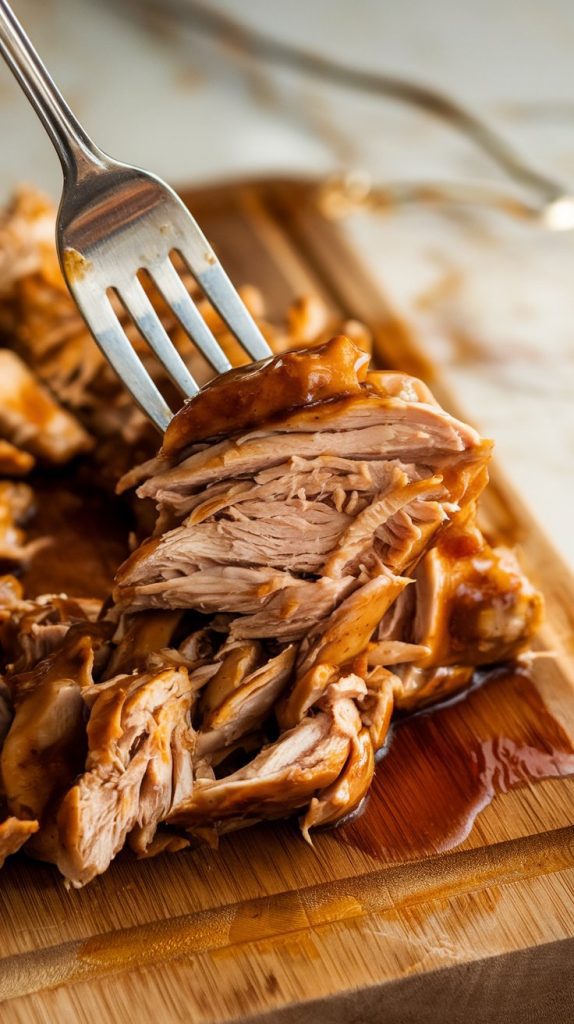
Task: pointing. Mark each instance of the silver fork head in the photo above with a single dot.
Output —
(117, 220)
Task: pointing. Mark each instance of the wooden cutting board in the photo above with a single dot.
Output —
(451, 898)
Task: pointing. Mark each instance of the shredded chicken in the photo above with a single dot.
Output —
(32, 419)
(313, 564)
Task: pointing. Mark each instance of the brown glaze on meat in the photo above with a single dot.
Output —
(348, 791)
(256, 394)
(474, 604)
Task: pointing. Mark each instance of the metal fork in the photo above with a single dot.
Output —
(115, 220)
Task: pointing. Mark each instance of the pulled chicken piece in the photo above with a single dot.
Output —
(138, 732)
(16, 507)
(32, 419)
(13, 834)
(44, 745)
(281, 779)
(30, 630)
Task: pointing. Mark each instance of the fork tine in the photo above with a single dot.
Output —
(176, 295)
(226, 300)
(148, 323)
(114, 343)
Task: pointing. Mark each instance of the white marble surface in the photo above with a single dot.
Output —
(493, 299)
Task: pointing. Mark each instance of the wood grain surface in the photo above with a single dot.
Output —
(462, 913)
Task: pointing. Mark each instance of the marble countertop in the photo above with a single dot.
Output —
(492, 298)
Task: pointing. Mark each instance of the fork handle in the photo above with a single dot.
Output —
(79, 156)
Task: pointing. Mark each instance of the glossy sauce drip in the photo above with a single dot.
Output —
(259, 393)
(443, 767)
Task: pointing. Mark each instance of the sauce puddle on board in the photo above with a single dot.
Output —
(445, 766)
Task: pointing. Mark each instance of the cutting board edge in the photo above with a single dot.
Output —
(247, 923)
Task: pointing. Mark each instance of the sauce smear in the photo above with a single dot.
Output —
(444, 766)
